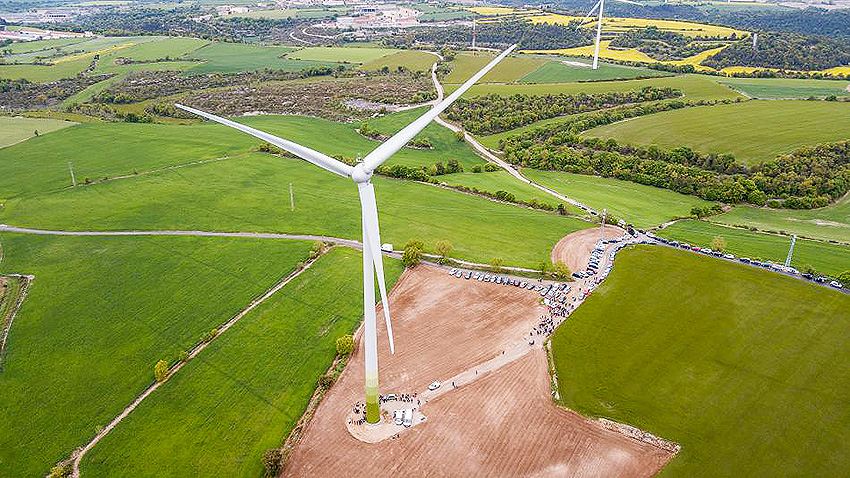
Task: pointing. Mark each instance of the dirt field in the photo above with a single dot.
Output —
(501, 424)
(574, 249)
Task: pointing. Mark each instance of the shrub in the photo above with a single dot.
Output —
(718, 244)
(490, 167)
(183, 356)
(272, 460)
(844, 278)
(561, 271)
(316, 249)
(326, 381)
(210, 335)
(444, 248)
(60, 471)
(345, 344)
(496, 264)
(476, 168)
(412, 253)
(160, 370)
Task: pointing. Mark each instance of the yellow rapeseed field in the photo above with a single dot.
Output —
(92, 53)
(614, 24)
(494, 10)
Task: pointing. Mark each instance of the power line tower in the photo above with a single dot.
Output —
(291, 198)
(602, 224)
(474, 23)
(790, 251)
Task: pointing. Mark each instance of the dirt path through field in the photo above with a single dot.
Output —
(574, 249)
(498, 421)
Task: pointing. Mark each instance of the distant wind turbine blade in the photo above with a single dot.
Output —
(630, 1)
(589, 14)
(369, 210)
(398, 140)
(319, 159)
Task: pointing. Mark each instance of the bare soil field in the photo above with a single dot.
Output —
(501, 424)
(574, 249)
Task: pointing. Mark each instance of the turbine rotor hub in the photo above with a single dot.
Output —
(360, 175)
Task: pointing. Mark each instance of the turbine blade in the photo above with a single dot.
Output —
(319, 159)
(398, 140)
(372, 242)
(629, 1)
(589, 14)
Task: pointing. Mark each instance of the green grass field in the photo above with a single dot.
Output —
(445, 143)
(508, 70)
(782, 88)
(641, 205)
(246, 391)
(556, 71)
(98, 316)
(44, 73)
(410, 59)
(829, 223)
(41, 45)
(502, 181)
(340, 54)
(736, 364)
(754, 131)
(16, 129)
(249, 194)
(695, 87)
(173, 47)
(825, 258)
(234, 57)
(101, 45)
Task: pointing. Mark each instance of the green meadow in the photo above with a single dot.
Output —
(16, 129)
(736, 364)
(830, 223)
(502, 181)
(100, 313)
(641, 205)
(411, 59)
(557, 71)
(825, 258)
(508, 70)
(244, 393)
(234, 57)
(753, 131)
(787, 88)
(44, 73)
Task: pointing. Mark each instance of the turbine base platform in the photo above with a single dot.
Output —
(385, 428)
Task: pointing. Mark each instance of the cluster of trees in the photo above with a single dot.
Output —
(494, 113)
(807, 178)
(528, 35)
(664, 45)
(418, 143)
(22, 94)
(790, 51)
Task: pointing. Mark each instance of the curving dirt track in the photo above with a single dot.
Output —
(574, 249)
(502, 424)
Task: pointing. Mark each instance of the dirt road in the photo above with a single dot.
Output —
(574, 249)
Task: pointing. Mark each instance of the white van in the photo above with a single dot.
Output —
(398, 417)
(408, 418)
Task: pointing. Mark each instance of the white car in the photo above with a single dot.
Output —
(398, 417)
(434, 385)
(835, 284)
(452, 272)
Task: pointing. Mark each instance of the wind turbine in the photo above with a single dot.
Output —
(361, 174)
(600, 5)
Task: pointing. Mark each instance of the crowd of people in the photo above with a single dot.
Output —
(403, 397)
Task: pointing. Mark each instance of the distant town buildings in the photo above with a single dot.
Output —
(27, 34)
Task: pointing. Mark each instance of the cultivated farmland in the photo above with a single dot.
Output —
(233, 57)
(342, 55)
(641, 205)
(569, 69)
(509, 70)
(99, 314)
(16, 129)
(825, 258)
(248, 388)
(412, 60)
(734, 363)
(739, 129)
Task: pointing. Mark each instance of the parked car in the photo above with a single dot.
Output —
(435, 385)
(468, 275)
(408, 418)
(808, 276)
(728, 256)
(452, 271)
(835, 284)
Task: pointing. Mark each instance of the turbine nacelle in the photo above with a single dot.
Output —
(360, 175)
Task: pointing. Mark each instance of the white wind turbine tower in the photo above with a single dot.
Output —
(600, 5)
(361, 174)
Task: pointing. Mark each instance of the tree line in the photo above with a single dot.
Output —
(500, 33)
(790, 51)
(807, 178)
(494, 113)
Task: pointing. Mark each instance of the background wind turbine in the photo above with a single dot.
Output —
(361, 174)
(600, 4)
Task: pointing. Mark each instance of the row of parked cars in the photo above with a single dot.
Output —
(543, 289)
(746, 260)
